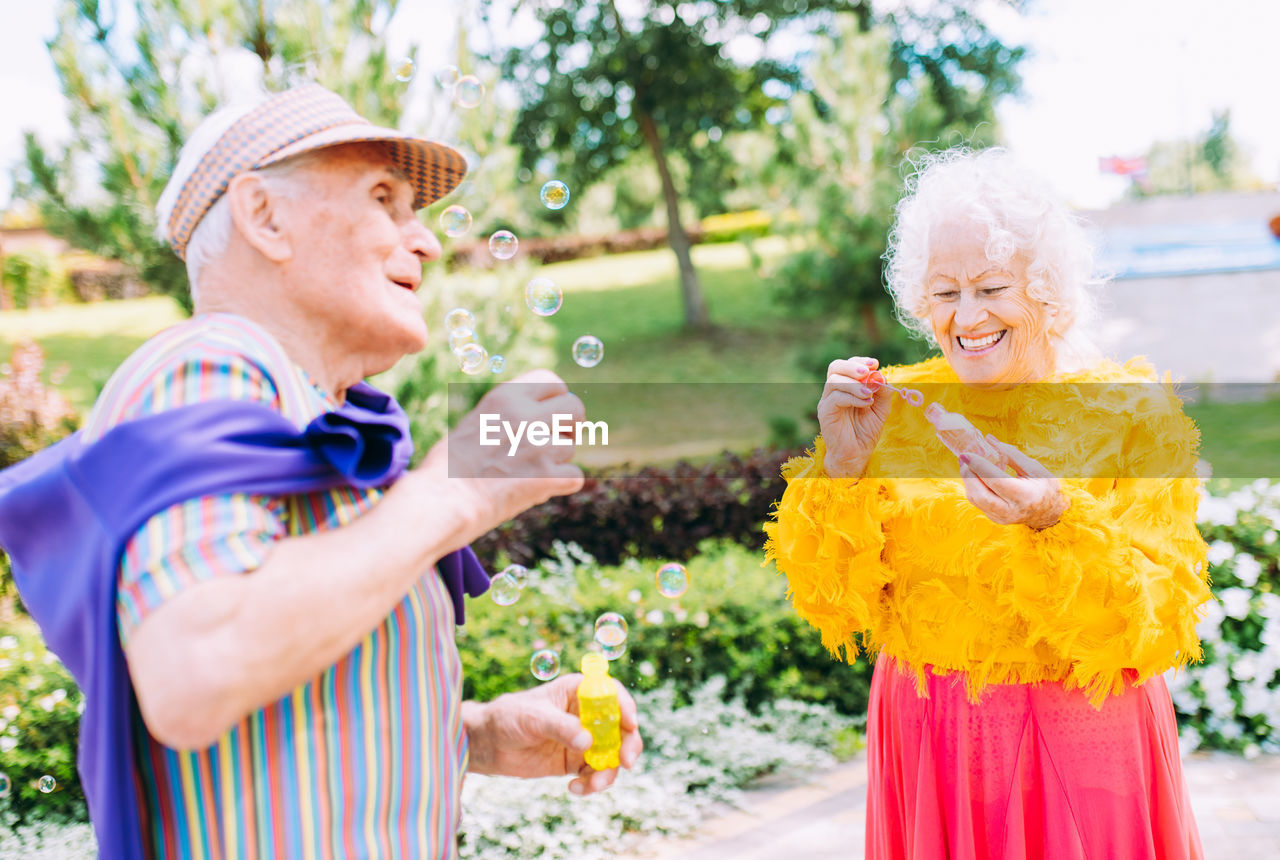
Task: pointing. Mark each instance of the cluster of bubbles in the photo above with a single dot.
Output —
(46, 784)
(468, 92)
(611, 629)
(473, 358)
(505, 588)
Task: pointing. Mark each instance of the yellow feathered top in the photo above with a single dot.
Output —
(1106, 596)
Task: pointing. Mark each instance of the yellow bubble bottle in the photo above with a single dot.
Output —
(599, 712)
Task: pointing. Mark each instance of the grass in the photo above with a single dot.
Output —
(682, 395)
(88, 341)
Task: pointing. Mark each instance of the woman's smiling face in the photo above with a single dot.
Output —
(990, 331)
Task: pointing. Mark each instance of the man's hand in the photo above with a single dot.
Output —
(489, 482)
(1033, 498)
(536, 733)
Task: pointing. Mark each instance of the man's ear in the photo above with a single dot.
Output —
(259, 213)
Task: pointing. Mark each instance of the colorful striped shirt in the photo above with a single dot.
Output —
(364, 760)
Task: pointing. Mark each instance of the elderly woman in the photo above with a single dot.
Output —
(1022, 610)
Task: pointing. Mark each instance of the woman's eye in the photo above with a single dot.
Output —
(993, 291)
(946, 295)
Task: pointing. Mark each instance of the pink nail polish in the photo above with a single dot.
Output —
(964, 459)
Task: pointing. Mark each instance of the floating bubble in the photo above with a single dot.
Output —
(459, 339)
(613, 652)
(497, 363)
(46, 784)
(588, 351)
(472, 358)
(543, 296)
(554, 194)
(460, 319)
(5, 785)
(447, 77)
(611, 629)
(468, 92)
(545, 664)
(504, 590)
(503, 244)
(518, 573)
(455, 221)
(404, 69)
(672, 580)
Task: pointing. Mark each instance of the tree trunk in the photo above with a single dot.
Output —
(695, 306)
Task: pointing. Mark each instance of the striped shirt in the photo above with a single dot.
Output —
(364, 760)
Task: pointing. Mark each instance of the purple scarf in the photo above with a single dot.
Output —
(67, 512)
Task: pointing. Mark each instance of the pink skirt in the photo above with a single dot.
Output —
(1032, 771)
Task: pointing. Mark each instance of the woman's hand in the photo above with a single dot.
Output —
(1033, 498)
(851, 415)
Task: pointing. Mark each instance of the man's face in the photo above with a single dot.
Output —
(358, 254)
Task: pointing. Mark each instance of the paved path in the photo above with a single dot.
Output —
(1237, 806)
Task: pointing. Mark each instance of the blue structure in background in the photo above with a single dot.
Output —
(1187, 249)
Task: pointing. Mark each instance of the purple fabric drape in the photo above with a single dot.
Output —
(67, 512)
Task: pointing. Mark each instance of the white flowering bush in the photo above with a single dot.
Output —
(40, 709)
(695, 757)
(1232, 700)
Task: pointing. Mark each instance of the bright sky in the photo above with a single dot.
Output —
(1108, 77)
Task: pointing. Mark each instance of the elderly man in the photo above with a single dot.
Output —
(284, 592)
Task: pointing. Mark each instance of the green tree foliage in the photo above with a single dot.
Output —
(137, 82)
(598, 85)
(1211, 161)
(877, 97)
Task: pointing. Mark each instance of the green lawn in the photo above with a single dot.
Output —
(685, 395)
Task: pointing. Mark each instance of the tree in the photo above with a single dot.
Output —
(878, 96)
(598, 85)
(135, 90)
(1210, 161)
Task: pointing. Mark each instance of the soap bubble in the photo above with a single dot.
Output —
(5, 785)
(447, 77)
(518, 573)
(611, 629)
(545, 664)
(543, 296)
(588, 350)
(468, 92)
(404, 69)
(455, 221)
(473, 358)
(554, 194)
(46, 783)
(503, 244)
(504, 590)
(613, 652)
(460, 319)
(672, 579)
(497, 363)
(459, 339)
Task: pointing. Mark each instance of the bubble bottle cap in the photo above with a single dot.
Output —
(594, 664)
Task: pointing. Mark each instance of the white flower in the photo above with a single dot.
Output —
(1257, 699)
(11, 712)
(1252, 751)
(1235, 601)
(1269, 536)
(7, 743)
(8, 643)
(1188, 740)
(1216, 512)
(1248, 569)
(655, 616)
(1245, 668)
(59, 695)
(47, 702)
(1213, 615)
(634, 595)
(646, 669)
(1220, 551)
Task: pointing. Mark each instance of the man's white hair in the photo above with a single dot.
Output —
(211, 236)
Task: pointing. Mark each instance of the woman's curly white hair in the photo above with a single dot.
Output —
(1018, 211)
